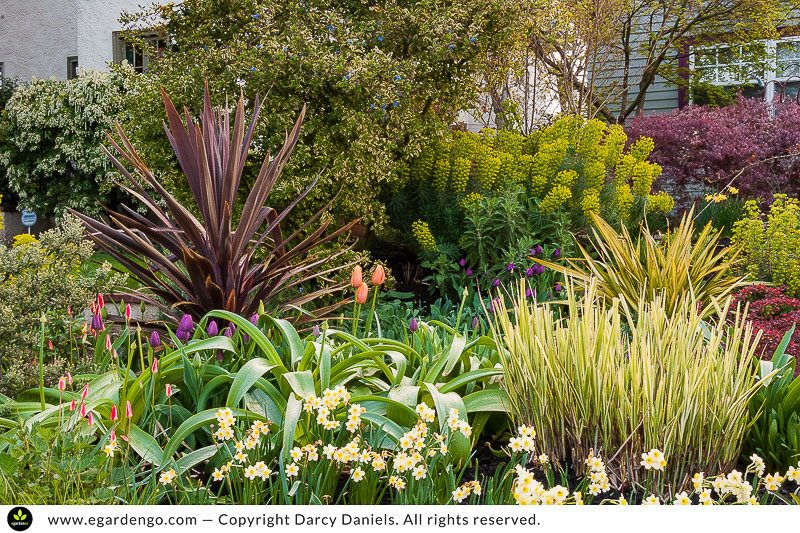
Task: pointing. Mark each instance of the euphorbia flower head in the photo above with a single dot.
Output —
(362, 293)
(85, 392)
(379, 275)
(114, 414)
(154, 368)
(356, 278)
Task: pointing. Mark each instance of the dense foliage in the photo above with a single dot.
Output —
(50, 141)
(378, 79)
(488, 201)
(770, 243)
(773, 313)
(703, 149)
(45, 288)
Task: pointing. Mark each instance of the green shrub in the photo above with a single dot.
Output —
(50, 141)
(771, 246)
(44, 278)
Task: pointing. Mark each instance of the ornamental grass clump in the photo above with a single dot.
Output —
(641, 268)
(674, 383)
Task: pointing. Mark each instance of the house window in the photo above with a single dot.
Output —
(72, 67)
(2, 72)
(723, 66)
(135, 55)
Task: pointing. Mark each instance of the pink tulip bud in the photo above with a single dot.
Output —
(154, 368)
(69, 310)
(361, 293)
(83, 409)
(85, 392)
(127, 311)
(100, 303)
(90, 418)
(72, 405)
(113, 437)
(128, 410)
(169, 390)
(114, 414)
(50, 345)
(69, 378)
(62, 384)
(108, 343)
(115, 354)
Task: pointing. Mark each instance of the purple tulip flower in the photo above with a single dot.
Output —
(510, 267)
(557, 252)
(97, 323)
(213, 329)
(469, 272)
(183, 335)
(475, 322)
(315, 331)
(462, 263)
(529, 271)
(187, 324)
(254, 319)
(413, 325)
(558, 287)
(496, 282)
(155, 340)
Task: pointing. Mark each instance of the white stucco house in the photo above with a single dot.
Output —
(44, 38)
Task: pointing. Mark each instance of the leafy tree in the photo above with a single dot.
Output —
(607, 54)
(50, 137)
(379, 80)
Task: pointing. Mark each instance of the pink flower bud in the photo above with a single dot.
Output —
(90, 418)
(85, 392)
(83, 409)
(100, 303)
(128, 410)
(50, 345)
(114, 414)
(115, 354)
(169, 390)
(154, 368)
(127, 311)
(113, 437)
(62, 384)
(72, 405)
(108, 343)
(69, 378)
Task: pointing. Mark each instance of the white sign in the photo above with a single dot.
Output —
(28, 218)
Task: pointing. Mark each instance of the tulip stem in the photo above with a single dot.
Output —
(368, 326)
(41, 365)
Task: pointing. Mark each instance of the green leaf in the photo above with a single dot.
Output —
(294, 408)
(291, 338)
(146, 446)
(245, 378)
(302, 383)
(459, 444)
(495, 400)
(193, 458)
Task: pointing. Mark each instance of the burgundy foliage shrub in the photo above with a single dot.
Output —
(705, 147)
(774, 313)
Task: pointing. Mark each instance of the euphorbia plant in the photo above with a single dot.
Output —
(195, 265)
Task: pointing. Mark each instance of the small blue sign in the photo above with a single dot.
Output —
(28, 218)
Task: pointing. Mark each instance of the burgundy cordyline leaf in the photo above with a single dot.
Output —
(189, 265)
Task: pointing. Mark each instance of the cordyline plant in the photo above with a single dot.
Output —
(194, 266)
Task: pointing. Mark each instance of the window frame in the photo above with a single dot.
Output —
(72, 73)
(119, 50)
(770, 75)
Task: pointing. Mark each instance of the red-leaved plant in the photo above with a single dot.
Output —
(196, 265)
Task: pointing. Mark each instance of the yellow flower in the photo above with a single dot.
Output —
(733, 190)
(357, 475)
(651, 500)
(292, 470)
(682, 499)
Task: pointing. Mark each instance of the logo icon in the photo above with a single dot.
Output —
(19, 518)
